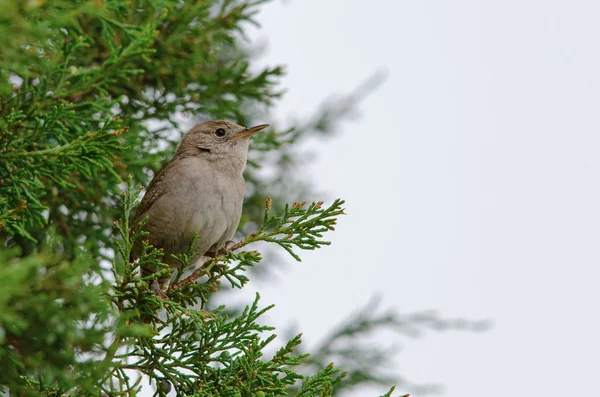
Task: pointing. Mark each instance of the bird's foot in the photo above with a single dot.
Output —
(220, 251)
(157, 290)
(225, 249)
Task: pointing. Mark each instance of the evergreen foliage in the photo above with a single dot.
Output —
(91, 93)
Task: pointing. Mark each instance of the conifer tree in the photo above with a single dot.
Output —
(91, 94)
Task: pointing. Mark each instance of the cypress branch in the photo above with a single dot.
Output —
(91, 98)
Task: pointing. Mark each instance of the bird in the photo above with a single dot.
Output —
(199, 191)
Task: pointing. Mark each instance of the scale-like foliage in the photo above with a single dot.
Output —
(89, 92)
(53, 322)
(75, 75)
(201, 351)
(92, 91)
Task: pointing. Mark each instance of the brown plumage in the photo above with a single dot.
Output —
(201, 190)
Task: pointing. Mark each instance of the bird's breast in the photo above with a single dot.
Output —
(215, 204)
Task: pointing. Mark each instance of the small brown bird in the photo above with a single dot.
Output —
(201, 190)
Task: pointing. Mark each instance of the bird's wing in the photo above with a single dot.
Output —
(153, 192)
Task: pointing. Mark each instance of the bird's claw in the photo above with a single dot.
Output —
(221, 251)
(226, 246)
(155, 288)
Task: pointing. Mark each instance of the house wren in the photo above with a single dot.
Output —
(201, 190)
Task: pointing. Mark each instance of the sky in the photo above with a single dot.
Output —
(471, 180)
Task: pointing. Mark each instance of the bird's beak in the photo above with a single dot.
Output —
(248, 132)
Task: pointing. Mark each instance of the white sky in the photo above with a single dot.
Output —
(471, 180)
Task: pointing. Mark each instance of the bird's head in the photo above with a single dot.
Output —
(218, 138)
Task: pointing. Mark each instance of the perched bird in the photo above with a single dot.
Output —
(201, 190)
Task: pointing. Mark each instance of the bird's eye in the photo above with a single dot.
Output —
(220, 132)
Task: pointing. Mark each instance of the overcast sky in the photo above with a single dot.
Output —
(471, 180)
